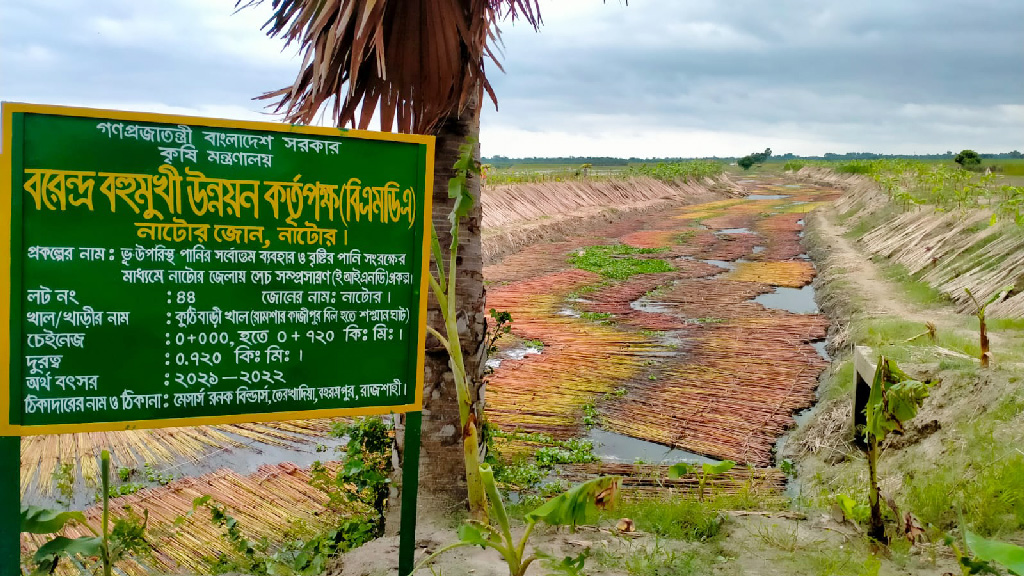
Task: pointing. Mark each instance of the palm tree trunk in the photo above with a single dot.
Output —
(442, 478)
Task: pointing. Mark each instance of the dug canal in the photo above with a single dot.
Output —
(706, 359)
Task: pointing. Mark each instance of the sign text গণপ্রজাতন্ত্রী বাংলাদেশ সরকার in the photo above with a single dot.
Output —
(168, 270)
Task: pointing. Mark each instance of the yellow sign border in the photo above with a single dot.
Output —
(11, 108)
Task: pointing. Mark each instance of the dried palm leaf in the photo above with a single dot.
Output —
(420, 61)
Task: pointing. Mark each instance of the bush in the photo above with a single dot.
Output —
(968, 158)
(855, 167)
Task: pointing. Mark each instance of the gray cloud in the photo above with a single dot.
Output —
(187, 54)
(888, 76)
(652, 78)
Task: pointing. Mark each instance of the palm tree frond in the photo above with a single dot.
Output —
(418, 61)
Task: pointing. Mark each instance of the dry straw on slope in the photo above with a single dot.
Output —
(948, 250)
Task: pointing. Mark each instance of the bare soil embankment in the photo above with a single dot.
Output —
(950, 251)
(883, 273)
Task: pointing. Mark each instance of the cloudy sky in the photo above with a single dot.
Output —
(665, 78)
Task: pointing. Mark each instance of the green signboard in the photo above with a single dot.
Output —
(169, 271)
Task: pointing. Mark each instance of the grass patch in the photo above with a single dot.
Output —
(853, 211)
(840, 383)
(659, 561)
(535, 344)
(602, 317)
(868, 222)
(708, 320)
(833, 561)
(684, 236)
(616, 261)
(584, 290)
(675, 518)
(902, 340)
(815, 553)
(656, 558)
(687, 518)
(862, 227)
(1001, 324)
(981, 479)
(915, 290)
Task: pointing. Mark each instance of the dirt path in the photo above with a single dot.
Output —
(877, 294)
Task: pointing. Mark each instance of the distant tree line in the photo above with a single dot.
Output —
(499, 161)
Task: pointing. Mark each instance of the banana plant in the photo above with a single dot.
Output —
(894, 399)
(979, 311)
(37, 520)
(679, 470)
(1010, 556)
(567, 509)
(979, 555)
(443, 287)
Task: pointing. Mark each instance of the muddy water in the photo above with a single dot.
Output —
(517, 353)
(819, 346)
(723, 263)
(767, 196)
(795, 300)
(614, 447)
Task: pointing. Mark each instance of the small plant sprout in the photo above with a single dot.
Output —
(850, 509)
(894, 399)
(107, 545)
(979, 311)
(788, 468)
(502, 326)
(567, 509)
(681, 469)
(64, 478)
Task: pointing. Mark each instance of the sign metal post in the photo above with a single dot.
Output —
(10, 505)
(410, 488)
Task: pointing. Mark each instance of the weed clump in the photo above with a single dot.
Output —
(616, 261)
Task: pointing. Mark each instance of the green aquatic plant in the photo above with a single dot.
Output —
(708, 470)
(617, 261)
